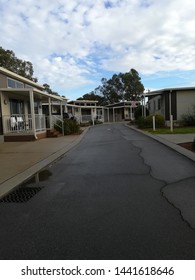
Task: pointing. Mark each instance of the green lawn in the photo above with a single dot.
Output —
(176, 130)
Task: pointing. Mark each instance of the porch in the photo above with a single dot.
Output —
(20, 127)
(22, 117)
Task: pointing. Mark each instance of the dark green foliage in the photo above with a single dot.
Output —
(141, 122)
(70, 126)
(189, 118)
(148, 121)
(49, 90)
(9, 61)
(122, 86)
(92, 96)
(138, 112)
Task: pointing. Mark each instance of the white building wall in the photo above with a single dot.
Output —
(153, 105)
(185, 102)
(5, 108)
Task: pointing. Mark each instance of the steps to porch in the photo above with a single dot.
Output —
(53, 133)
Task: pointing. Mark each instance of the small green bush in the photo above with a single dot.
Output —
(148, 121)
(159, 121)
(189, 118)
(70, 126)
(138, 112)
(141, 122)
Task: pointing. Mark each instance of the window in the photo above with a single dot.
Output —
(159, 104)
(19, 85)
(14, 84)
(154, 105)
(16, 106)
(36, 107)
(10, 83)
(27, 86)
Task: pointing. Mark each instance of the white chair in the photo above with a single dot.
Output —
(19, 119)
(20, 122)
(13, 122)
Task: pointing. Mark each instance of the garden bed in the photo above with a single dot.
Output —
(187, 146)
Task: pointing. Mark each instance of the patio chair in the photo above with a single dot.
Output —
(20, 122)
(13, 123)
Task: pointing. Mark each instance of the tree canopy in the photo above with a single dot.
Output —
(49, 90)
(121, 87)
(92, 96)
(21, 67)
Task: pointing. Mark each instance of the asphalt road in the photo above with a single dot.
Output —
(110, 197)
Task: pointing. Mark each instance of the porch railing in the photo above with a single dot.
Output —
(86, 118)
(21, 123)
(40, 123)
(56, 120)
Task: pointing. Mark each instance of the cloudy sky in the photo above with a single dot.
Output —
(72, 44)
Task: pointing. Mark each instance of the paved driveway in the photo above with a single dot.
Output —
(117, 195)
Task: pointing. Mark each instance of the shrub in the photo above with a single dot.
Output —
(159, 121)
(189, 118)
(141, 122)
(70, 126)
(148, 121)
(138, 112)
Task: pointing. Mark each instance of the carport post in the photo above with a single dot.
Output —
(113, 115)
(32, 112)
(171, 123)
(153, 121)
(144, 105)
(50, 116)
(61, 111)
(131, 114)
(103, 114)
(170, 112)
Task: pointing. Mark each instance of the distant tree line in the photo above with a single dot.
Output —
(21, 67)
(121, 87)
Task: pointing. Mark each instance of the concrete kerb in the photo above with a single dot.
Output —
(165, 142)
(24, 176)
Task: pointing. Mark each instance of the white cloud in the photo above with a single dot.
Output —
(70, 42)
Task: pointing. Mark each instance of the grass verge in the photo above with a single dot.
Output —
(176, 130)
